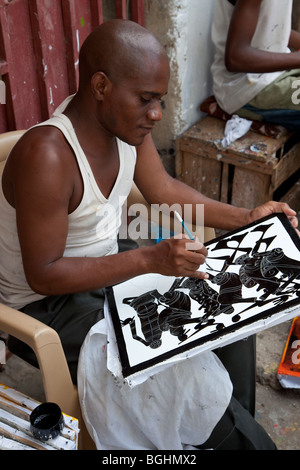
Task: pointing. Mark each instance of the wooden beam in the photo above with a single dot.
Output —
(97, 13)
(77, 25)
(48, 39)
(138, 11)
(121, 9)
(22, 104)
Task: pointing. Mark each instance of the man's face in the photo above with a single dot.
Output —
(133, 105)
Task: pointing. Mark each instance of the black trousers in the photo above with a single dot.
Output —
(239, 359)
(238, 430)
(71, 316)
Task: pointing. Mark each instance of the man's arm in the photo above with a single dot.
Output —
(241, 57)
(294, 42)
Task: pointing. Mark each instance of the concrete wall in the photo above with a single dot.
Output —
(183, 27)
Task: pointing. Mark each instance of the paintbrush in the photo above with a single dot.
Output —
(184, 226)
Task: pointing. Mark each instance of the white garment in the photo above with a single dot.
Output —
(234, 90)
(93, 226)
(174, 409)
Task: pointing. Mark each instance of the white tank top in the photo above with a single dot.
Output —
(93, 226)
(234, 90)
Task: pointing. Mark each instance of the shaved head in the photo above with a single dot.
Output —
(119, 48)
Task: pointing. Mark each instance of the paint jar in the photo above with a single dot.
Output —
(46, 421)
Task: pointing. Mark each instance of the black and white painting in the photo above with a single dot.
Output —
(254, 283)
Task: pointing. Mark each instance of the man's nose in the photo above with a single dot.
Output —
(155, 112)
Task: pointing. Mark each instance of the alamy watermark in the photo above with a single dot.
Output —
(2, 352)
(2, 92)
(145, 221)
(296, 94)
(296, 354)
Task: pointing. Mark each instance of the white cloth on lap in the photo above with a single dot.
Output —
(174, 409)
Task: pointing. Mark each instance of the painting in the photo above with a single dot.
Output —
(254, 283)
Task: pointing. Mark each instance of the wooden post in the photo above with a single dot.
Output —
(138, 11)
(121, 9)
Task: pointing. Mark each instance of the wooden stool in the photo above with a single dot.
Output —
(251, 171)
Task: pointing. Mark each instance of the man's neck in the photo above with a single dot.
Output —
(89, 130)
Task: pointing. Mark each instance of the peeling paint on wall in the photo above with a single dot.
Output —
(183, 27)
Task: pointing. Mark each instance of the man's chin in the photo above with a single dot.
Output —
(135, 142)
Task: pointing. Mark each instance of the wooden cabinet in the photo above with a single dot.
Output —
(251, 171)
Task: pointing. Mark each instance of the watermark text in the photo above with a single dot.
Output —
(143, 222)
(2, 352)
(296, 354)
(296, 94)
(2, 92)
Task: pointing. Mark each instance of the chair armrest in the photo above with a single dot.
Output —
(46, 344)
(7, 141)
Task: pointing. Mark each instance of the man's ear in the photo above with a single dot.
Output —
(100, 83)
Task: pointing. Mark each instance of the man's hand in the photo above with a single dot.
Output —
(273, 207)
(179, 256)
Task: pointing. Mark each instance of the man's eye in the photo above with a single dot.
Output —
(144, 99)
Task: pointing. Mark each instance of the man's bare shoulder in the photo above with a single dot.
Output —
(38, 140)
(42, 159)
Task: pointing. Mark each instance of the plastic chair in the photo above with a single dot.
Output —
(44, 341)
